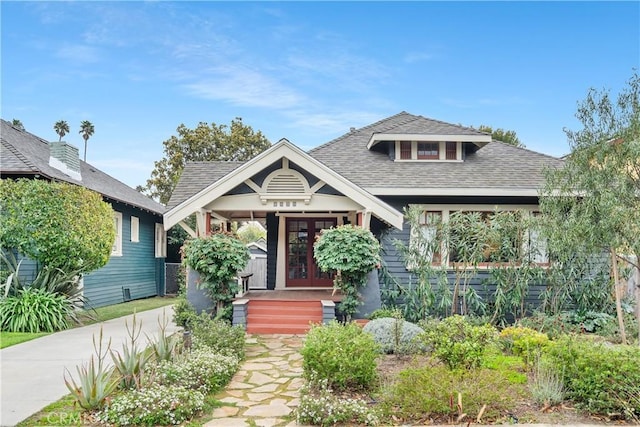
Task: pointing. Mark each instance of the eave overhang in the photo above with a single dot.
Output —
(380, 137)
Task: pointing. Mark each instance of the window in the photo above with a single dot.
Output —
(116, 250)
(135, 229)
(405, 150)
(451, 151)
(160, 242)
(427, 243)
(428, 150)
(506, 238)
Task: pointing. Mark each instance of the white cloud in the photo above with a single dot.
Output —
(78, 53)
(243, 86)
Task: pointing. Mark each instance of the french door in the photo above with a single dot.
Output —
(301, 266)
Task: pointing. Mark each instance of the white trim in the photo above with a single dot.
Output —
(281, 260)
(452, 191)
(135, 229)
(283, 149)
(116, 250)
(160, 239)
(379, 137)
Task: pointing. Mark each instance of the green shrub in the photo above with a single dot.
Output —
(599, 378)
(394, 335)
(34, 310)
(554, 325)
(318, 406)
(183, 312)
(199, 369)
(156, 405)
(457, 343)
(511, 367)
(218, 335)
(343, 355)
(525, 342)
(380, 313)
(432, 392)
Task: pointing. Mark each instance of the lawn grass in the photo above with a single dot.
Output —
(63, 412)
(93, 316)
(8, 339)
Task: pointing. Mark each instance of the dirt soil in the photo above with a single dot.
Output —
(526, 412)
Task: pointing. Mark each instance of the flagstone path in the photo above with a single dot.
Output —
(266, 389)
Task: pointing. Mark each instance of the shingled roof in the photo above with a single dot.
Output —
(25, 154)
(198, 175)
(494, 165)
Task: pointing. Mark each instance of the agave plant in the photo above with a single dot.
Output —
(96, 381)
(165, 346)
(131, 362)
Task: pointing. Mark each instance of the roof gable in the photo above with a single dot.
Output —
(283, 149)
(25, 154)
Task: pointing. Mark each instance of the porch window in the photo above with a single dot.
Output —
(425, 241)
(428, 150)
(116, 249)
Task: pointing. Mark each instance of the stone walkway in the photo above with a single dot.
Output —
(265, 390)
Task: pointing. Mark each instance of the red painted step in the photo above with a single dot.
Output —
(282, 317)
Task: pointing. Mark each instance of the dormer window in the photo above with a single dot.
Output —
(428, 151)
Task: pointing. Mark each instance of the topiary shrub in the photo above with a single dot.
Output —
(218, 336)
(341, 354)
(34, 310)
(459, 344)
(394, 335)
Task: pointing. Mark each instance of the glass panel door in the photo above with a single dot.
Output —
(301, 266)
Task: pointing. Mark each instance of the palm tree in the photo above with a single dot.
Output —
(86, 129)
(16, 123)
(62, 128)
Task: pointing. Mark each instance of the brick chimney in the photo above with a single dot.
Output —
(66, 158)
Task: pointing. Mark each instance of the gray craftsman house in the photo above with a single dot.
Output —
(136, 266)
(365, 177)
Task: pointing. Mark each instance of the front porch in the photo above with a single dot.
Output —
(284, 311)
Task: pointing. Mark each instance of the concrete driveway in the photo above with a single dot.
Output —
(32, 372)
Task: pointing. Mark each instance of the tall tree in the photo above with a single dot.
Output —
(62, 128)
(506, 136)
(204, 143)
(592, 204)
(86, 130)
(16, 123)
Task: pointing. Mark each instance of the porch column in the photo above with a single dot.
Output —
(281, 259)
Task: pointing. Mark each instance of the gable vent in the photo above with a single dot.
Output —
(286, 183)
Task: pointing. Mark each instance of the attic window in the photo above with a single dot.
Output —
(429, 151)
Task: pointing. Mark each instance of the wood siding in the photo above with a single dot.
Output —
(137, 269)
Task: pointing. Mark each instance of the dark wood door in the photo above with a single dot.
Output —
(301, 266)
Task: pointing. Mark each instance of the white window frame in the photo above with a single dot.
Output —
(135, 229)
(116, 250)
(442, 152)
(160, 241)
(532, 237)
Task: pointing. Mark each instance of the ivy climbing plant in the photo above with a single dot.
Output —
(352, 252)
(217, 259)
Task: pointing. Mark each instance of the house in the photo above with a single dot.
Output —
(365, 177)
(136, 266)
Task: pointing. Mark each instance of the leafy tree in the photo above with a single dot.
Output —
(593, 202)
(62, 128)
(204, 143)
(352, 252)
(57, 224)
(16, 123)
(86, 130)
(499, 134)
(249, 233)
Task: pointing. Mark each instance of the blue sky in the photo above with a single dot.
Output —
(305, 71)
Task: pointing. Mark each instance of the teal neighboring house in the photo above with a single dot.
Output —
(136, 268)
